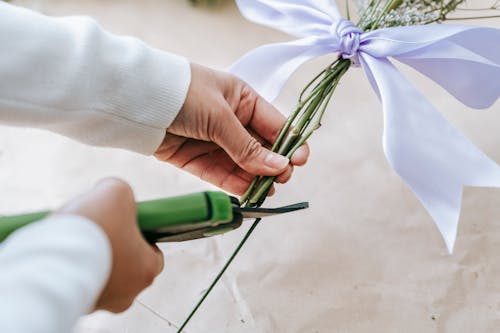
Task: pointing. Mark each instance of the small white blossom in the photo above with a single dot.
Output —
(361, 5)
(379, 14)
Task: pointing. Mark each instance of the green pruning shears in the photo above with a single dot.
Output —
(176, 219)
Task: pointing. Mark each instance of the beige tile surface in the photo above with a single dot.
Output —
(366, 257)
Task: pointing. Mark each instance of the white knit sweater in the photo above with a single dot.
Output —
(69, 76)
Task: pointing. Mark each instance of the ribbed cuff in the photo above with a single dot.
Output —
(153, 91)
(151, 87)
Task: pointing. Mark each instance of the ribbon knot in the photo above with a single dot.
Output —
(349, 36)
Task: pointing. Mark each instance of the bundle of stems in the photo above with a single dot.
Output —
(301, 124)
(315, 97)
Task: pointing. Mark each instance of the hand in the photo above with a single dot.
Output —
(111, 205)
(222, 131)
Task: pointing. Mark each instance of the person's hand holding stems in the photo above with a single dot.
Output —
(223, 134)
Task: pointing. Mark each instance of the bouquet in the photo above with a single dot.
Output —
(428, 153)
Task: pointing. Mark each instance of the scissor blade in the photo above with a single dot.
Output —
(249, 212)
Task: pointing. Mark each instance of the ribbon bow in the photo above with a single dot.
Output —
(424, 149)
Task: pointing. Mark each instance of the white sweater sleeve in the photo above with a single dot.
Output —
(69, 76)
(51, 273)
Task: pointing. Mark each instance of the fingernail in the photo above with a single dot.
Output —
(276, 161)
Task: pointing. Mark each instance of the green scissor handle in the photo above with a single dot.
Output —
(171, 219)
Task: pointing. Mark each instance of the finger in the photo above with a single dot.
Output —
(239, 172)
(272, 191)
(267, 122)
(256, 135)
(114, 192)
(94, 203)
(152, 264)
(206, 168)
(301, 156)
(285, 176)
(246, 150)
(115, 187)
(189, 150)
(159, 262)
(223, 159)
(191, 157)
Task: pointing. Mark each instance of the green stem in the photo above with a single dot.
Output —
(303, 92)
(249, 190)
(263, 188)
(300, 106)
(367, 12)
(300, 134)
(326, 70)
(307, 134)
(217, 278)
(312, 107)
(341, 69)
(388, 6)
(319, 109)
(302, 140)
(297, 135)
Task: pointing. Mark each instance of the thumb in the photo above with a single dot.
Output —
(246, 151)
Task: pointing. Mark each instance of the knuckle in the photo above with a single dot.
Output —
(217, 122)
(120, 188)
(233, 82)
(214, 129)
(286, 175)
(120, 305)
(125, 305)
(250, 151)
(149, 277)
(150, 272)
(247, 91)
(248, 100)
(115, 183)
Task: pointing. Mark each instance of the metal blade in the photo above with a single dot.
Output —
(249, 212)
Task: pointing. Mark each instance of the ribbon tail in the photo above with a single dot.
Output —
(267, 68)
(427, 152)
